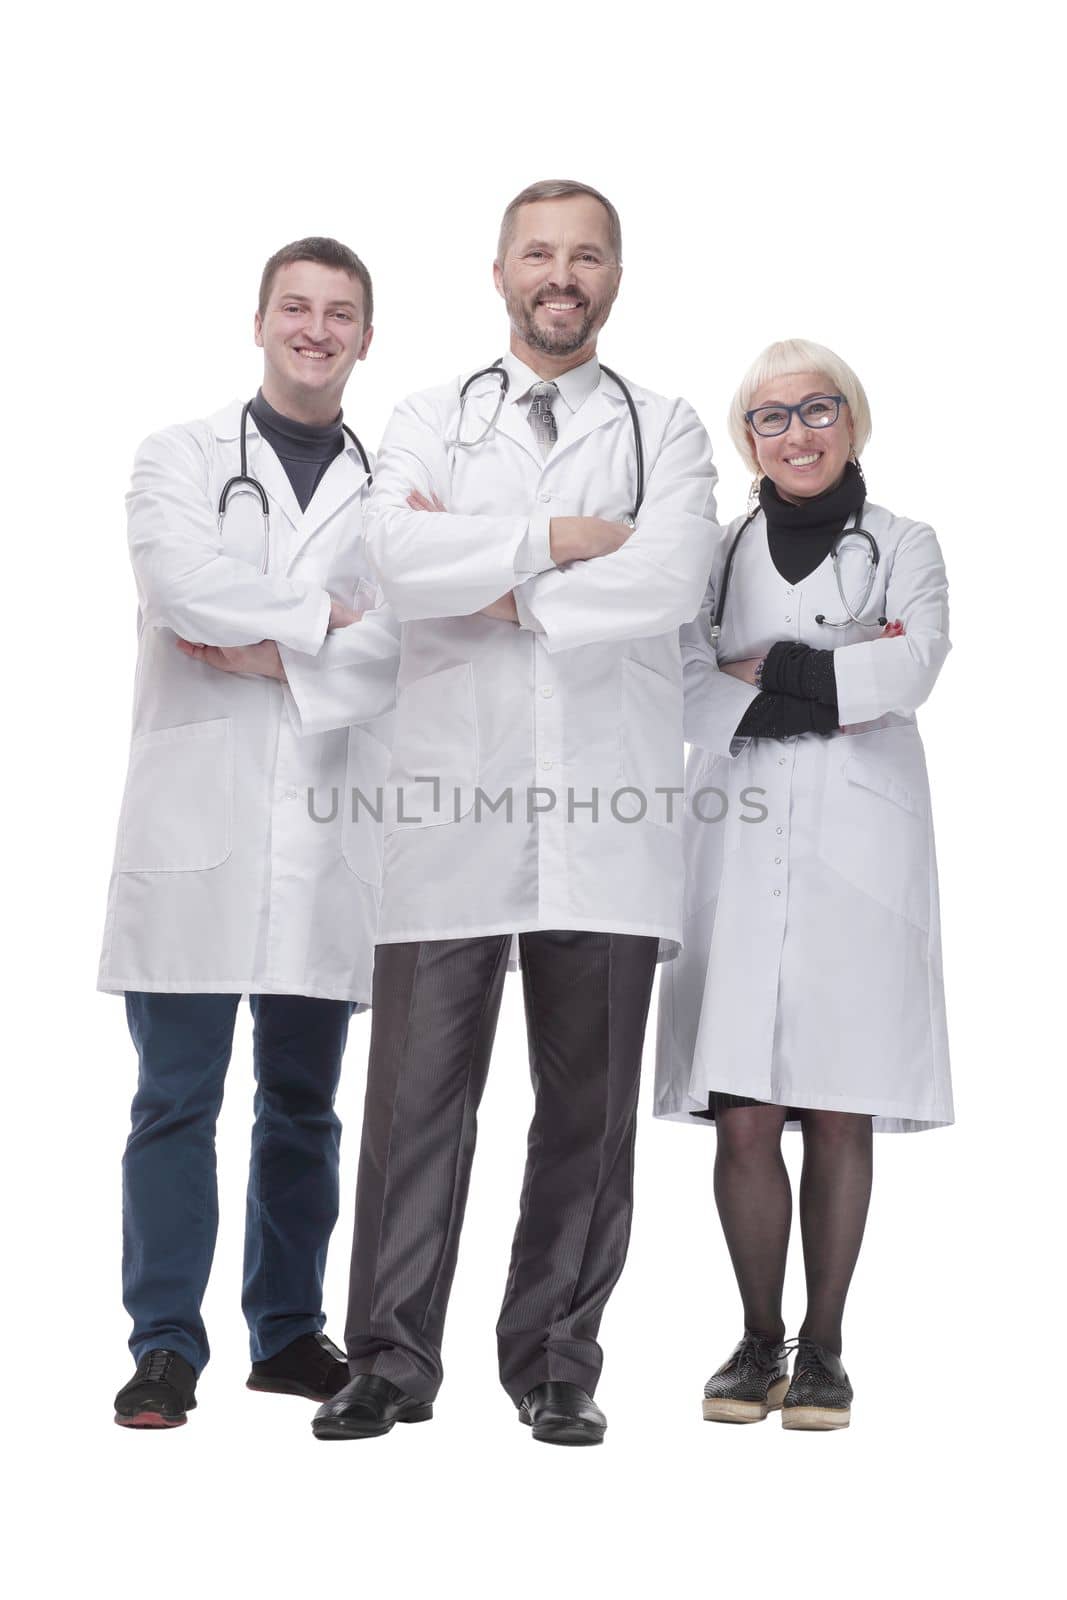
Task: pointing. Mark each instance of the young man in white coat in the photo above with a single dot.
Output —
(237, 869)
(537, 765)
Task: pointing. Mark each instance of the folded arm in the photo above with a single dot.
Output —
(184, 580)
(798, 694)
(448, 564)
(715, 701)
(654, 582)
(351, 679)
(897, 674)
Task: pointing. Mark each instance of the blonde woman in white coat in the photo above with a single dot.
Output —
(809, 991)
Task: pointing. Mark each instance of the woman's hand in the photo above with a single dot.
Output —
(419, 502)
(745, 670)
(892, 630)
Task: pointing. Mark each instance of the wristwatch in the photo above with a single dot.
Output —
(758, 674)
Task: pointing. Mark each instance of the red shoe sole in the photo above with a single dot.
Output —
(150, 1419)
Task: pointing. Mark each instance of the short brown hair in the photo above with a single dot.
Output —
(557, 189)
(328, 253)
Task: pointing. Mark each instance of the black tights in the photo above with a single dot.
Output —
(756, 1206)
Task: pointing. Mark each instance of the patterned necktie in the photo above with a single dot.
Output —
(540, 416)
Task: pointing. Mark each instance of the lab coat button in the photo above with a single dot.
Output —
(547, 692)
(777, 861)
(544, 497)
(777, 891)
(546, 764)
(789, 619)
(777, 830)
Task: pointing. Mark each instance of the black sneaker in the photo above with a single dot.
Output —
(159, 1394)
(820, 1395)
(750, 1383)
(311, 1366)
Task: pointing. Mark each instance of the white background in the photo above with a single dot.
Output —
(879, 178)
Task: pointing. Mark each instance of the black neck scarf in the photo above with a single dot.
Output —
(799, 536)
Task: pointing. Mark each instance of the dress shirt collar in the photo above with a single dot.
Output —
(574, 386)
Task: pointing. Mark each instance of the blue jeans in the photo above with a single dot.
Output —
(169, 1192)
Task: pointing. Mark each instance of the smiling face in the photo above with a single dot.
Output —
(311, 334)
(558, 278)
(803, 461)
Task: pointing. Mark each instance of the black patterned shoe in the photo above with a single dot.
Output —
(820, 1396)
(159, 1394)
(750, 1383)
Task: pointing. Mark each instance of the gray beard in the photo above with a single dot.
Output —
(551, 341)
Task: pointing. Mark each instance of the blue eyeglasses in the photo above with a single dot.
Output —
(820, 411)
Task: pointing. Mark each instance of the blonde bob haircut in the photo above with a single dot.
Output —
(782, 360)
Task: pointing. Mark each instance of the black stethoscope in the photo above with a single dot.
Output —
(497, 371)
(244, 483)
(855, 532)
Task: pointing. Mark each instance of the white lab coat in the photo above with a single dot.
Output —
(811, 975)
(222, 881)
(584, 698)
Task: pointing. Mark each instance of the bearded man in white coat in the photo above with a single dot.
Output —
(237, 869)
(541, 532)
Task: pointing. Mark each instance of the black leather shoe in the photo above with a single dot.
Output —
(159, 1394)
(562, 1413)
(820, 1395)
(367, 1407)
(311, 1366)
(750, 1383)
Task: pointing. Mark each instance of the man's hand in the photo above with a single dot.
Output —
(503, 609)
(341, 616)
(585, 538)
(892, 630)
(569, 538)
(255, 660)
(419, 502)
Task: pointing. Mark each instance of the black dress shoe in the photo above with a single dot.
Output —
(159, 1394)
(820, 1395)
(750, 1383)
(367, 1407)
(311, 1366)
(562, 1413)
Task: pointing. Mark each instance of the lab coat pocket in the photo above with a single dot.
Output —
(366, 769)
(435, 750)
(874, 832)
(652, 747)
(177, 812)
